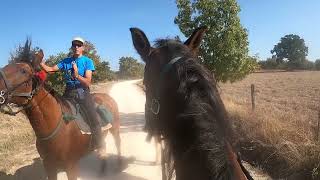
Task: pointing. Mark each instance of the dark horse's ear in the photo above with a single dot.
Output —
(140, 42)
(38, 56)
(195, 39)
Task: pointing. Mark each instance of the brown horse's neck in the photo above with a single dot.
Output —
(44, 113)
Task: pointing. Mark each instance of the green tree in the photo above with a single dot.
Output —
(56, 80)
(270, 63)
(103, 71)
(130, 68)
(317, 64)
(224, 50)
(308, 65)
(291, 49)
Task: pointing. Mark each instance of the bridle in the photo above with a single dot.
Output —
(9, 92)
(154, 107)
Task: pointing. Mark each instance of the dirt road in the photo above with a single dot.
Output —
(138, 156)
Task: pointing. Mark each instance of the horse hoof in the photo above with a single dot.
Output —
(103, 168)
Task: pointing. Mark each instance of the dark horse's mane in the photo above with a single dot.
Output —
(201, 125)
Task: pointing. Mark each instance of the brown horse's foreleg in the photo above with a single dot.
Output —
(51, 170)
(117, 140)
(72, 171)
(103, 156)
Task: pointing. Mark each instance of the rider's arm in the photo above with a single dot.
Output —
(86, 80)
(49, 69)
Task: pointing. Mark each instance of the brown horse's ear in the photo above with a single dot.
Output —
(195, 39)
(37, 59)
(140, 42)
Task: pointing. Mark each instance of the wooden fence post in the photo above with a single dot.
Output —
(318, 128)
(253, 97)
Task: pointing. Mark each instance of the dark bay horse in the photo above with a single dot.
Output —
(60, 144)
(184, 107)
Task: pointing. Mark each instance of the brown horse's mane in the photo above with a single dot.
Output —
(62, 101)
(27, 55)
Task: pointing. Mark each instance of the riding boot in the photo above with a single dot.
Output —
(97, 140)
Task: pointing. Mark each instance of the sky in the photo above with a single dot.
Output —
(106, 23)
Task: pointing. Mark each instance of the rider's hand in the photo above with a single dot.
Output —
(40, 55)
(75, 70)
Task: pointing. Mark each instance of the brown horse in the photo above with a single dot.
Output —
(60, 144)
(184, 107)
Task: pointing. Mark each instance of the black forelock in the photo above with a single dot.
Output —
(174, 46)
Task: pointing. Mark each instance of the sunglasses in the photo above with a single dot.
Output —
(77, 45)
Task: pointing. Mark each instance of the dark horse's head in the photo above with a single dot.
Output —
(19, 79)
(184, 106)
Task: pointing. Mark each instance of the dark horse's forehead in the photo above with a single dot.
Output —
(167, 42)
(173, 46)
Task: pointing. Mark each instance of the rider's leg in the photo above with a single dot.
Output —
(94, 123)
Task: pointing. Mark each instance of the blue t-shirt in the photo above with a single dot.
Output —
(84, 63)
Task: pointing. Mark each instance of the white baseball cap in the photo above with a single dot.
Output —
(78, 39)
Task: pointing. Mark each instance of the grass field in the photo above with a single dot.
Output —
(280, 135)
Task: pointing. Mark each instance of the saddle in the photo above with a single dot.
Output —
(78, 114)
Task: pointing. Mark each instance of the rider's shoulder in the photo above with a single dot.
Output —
(67, 60)
(86, 58)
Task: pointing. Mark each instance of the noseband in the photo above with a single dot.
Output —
(155, 102)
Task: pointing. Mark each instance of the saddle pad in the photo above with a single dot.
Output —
(80, 117)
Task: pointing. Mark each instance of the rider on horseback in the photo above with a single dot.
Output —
(78, 74)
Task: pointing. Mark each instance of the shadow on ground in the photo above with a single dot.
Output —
(90, 169)
(131, 122)
(93, 168)
(34, 171)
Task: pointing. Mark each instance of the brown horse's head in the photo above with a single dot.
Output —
(18, 80)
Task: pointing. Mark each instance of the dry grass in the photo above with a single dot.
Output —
(280, 134)
(16, 139)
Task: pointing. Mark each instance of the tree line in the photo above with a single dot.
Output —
(290, 53)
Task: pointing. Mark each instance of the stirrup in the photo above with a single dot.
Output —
(102, 152)
(108, 126)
